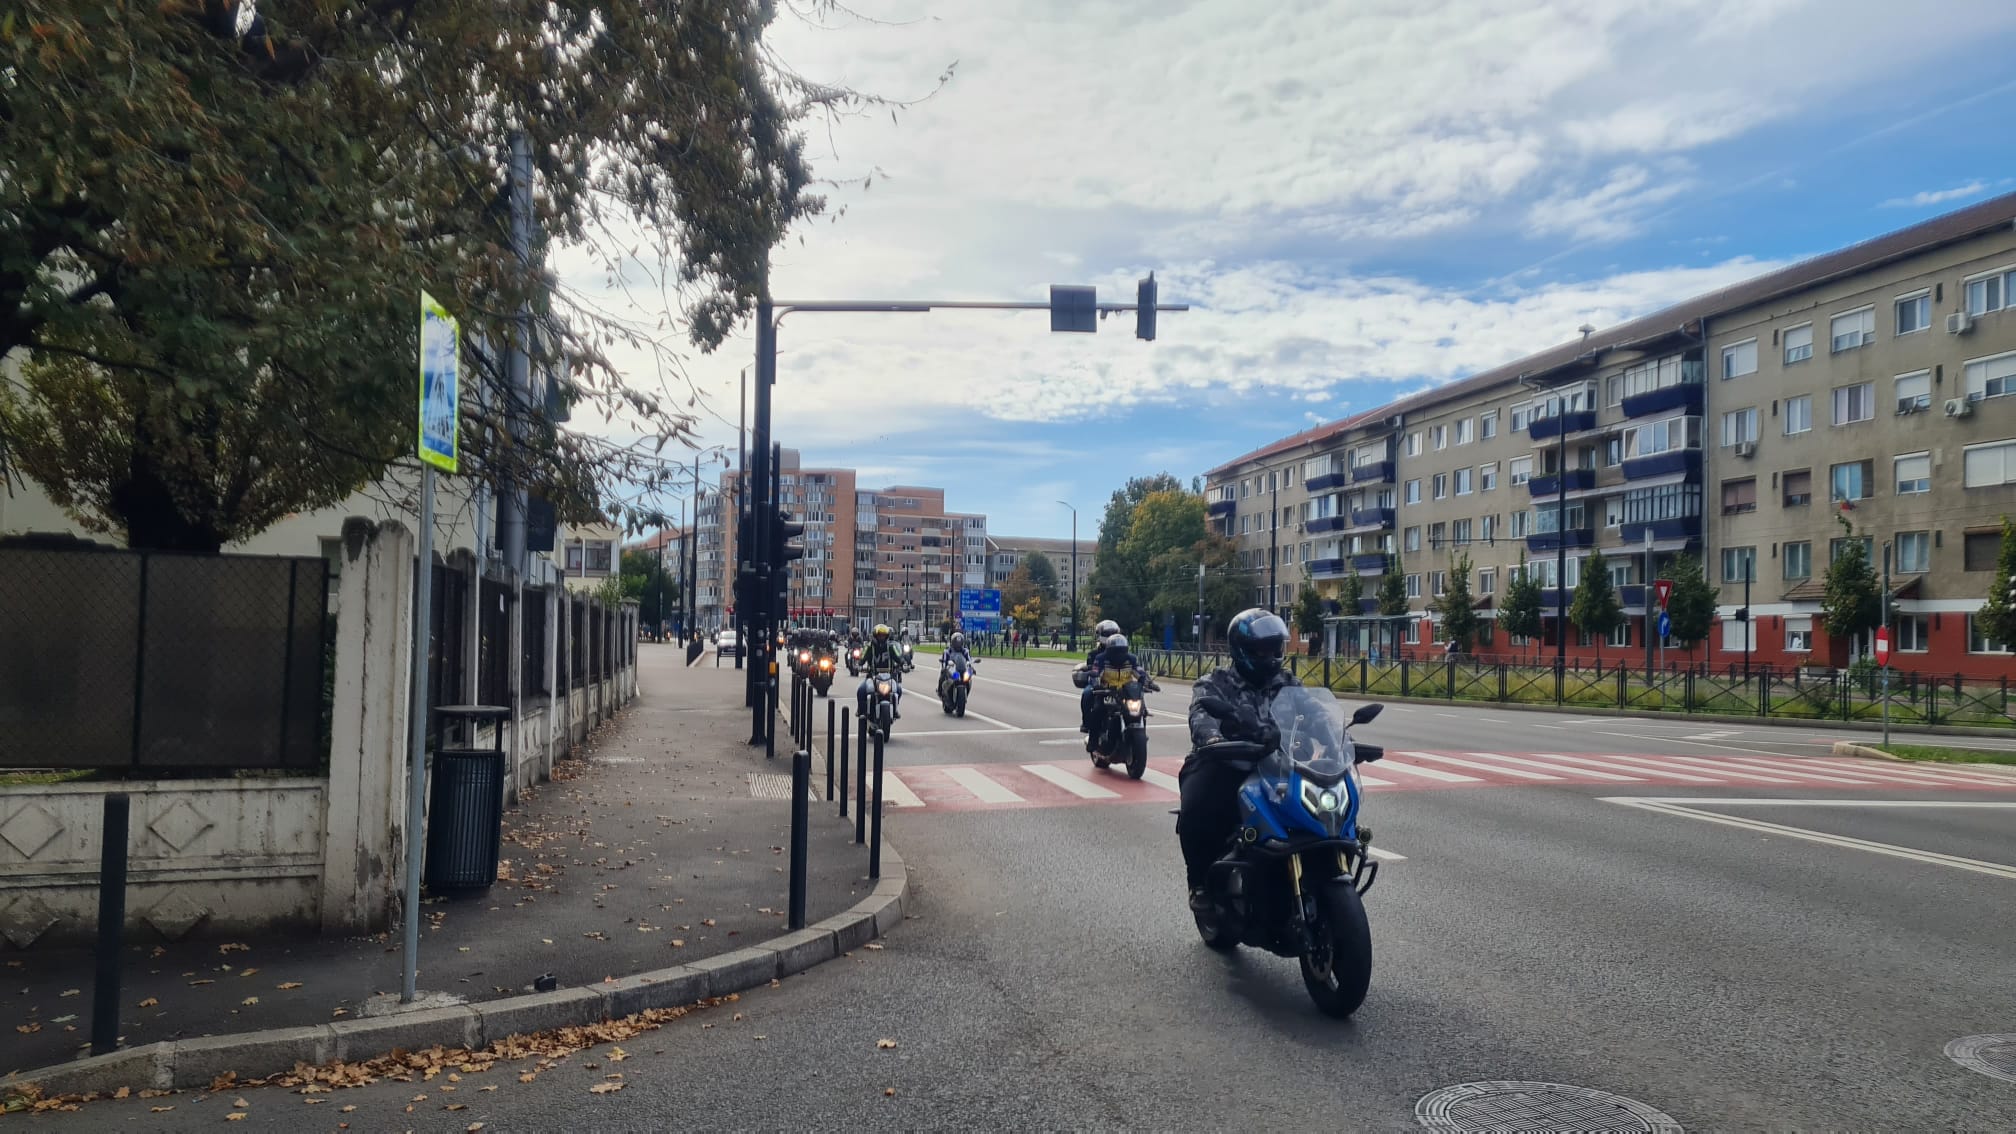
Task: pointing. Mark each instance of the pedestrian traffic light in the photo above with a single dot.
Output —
(1144, 308)
(785, 531)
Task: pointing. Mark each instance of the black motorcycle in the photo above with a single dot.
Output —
(882, 702)
(821, 673)
(955, 682)
(854, 661)
(1119, 718)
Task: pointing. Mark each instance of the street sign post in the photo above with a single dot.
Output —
(1882, 645)
(1665, 625)
(1664, 589)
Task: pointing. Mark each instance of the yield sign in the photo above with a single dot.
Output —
(1882, 645)
(1664, 589)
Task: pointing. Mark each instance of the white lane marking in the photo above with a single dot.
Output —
(1717, 769)
(1641, 768)
(1555, 727)
(1373, 781)
(1912, 775)
(1789, 767)
(1774, 801)
(1163, 780)
(1063, 740)
(900, 733)
(1071, 693)
(1586, 773)
(1698, 743)
(1075, 784)
(1479, 766)
(1426, 773)
(984, 789)
(1442, 714)
(895, 791)
(992, 721)
(1672, 807)
(1384, 854)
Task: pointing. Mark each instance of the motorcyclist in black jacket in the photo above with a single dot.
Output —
(1117, 655)
(1103, 633)
(882, 656)
(1232, 703)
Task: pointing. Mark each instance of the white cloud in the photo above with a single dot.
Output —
(1920, 200)
(1610, 211)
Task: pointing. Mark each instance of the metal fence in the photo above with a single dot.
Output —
(156, 660)
(1859, 695)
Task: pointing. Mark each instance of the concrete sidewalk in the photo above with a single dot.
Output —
(648, 851)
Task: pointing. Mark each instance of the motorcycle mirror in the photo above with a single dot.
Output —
(1365, 713)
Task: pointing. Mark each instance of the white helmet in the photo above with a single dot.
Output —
(1106, 629)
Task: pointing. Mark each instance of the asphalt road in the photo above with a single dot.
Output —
(1733, 963)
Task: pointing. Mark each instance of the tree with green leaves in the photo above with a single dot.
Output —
(1851, 602)
(1456, 606)
(651, 584)
(1309, 612)
(1997, 617)
(1042, 574)
(1350, 592)
(1596, 610)
(1393, 589)
(1119, 578)
(1519, 613)
(1692, 605)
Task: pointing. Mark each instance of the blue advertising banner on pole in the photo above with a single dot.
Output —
(440, 385)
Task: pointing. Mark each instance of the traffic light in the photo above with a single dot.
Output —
(1074, 308)
(1742, 614)
(1144, 308)
(785, 530)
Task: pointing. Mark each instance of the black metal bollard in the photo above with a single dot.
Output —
(769, 695)
(801, 792)
(875, 836)
(861, 784)
(845, 735)
(830, 707)
(111, 922)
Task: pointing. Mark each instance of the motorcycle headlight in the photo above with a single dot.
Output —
(1134, 705)
(881, 687)
(1322, 800)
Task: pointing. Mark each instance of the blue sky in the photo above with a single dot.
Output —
(1360, 199)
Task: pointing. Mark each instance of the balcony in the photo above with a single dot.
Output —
(1377, 472)
(1551, 541)
(1663, 464)
(1545, 486)
(1368, 605)
(1686, 397)
(1327, 524)
(1370, 563)
(1681, 527)
(1325, 568)
(1324, 481)
(1223, 507)
(1574, 421)
(1372, 519)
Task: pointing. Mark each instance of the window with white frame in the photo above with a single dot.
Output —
(1459, 531)
(1441, 486)
(1413, 541)
(1522, 416)
(1413, 492)
(1852, 329)
(1799, 633)
(1465, 481)
(1487, 580)
(1978, 641)
(1620, 634)
(1413, 586)
(1487, 528)
(1798, 414)
(1487, 477)
(1913, 553)
(1738, 636)
(1850, 480)
(1487, 425)
(1913, 391)
(1439, 581)
(1521, 523)
(1413, 636)
(1914, 633)
(1914, 312)
(1438, 437)
(1914, 473)
(1739, 359)
(1521, 469)
(1854, 403)
(1983, 466)
(1797, 558)
(1414, 444)
(1613, 390)
(1990, 377)
(1738, 564)
(1989, 291)
(1799, 344)
(1739, 427)
(1438, 536)
(1671, 435)
(1465, 431)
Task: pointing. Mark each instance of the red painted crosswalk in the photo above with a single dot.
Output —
(1063, 783)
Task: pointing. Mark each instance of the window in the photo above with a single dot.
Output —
(1914, 391)
(1487, 477)
(1413, 586)
(1989, 292)
(1620, 634)
(1413, 539)
(1799, 633)
(1738, 563)
(1797, 559)
(1670, 435)
(1521, 469)
(1438, 436)
(1914, 313)
(1914, 553)
(1982, 551)
(1487, 528)
(1854, 403)
(1522, 416)
(1914, 633)
(1914, 474)
(1245, 524)
(1613, 511)
(1413, 630)
(1438, 582)
(599, 554)
(1438, 535)
(1459, 531)
(1739, 359)
(1852, 329)
(1465, 431)
(1413, 492)
(1990, 377)
(1798, 414)
(1464, 481)
(1739, 427)
(1487, 426)
(1990, 464)
(1739, 496)
(1798, 487)
(1850, 481)
(1487, 580)
(1662, 502)
(1978, 641)
(1836, 548)
(1413, 448)
(1613, 390)
(1799, 344)
(1441, 486)
(1522, 523)
(1659, 373)
(1738, 636)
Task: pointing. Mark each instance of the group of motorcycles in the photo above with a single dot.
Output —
(816, 663)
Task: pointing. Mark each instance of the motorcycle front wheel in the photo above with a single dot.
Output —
(1137, 753)
(959, 702)
(1338, 971)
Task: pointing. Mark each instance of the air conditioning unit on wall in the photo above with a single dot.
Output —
(1746, 448)
(1959, 407)
(1959, 323)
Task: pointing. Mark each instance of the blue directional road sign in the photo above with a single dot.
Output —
(982, 604)
(1665, 625)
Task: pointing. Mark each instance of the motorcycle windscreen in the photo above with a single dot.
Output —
(1312, 733)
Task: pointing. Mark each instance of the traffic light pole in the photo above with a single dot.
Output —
(761, 643)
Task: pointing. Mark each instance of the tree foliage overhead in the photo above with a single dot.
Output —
(218, 215)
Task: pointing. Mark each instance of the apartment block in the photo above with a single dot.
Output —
(1742, 427)
(1005, 553)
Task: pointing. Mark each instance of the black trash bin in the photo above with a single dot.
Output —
(465, 814)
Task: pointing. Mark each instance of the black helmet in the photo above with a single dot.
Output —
(958, 640)
(1258, 639)
(1116, 649)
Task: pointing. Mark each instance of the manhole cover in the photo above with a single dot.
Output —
(1993, 1056)
(1509, 1106)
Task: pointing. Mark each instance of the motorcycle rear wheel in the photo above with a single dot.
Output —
(1339, 972)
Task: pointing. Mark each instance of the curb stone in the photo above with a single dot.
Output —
(195, 1062)
(1850, 748)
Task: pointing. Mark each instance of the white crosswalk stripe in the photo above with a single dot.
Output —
(1462, 763)
(1163, 780)
(1583, 773)
(1915, 775)
(895, 791)
(1716, 768)
(1390, 767)
(984, 789)
(1373, 781)
(1632, 773)
(1663, 769)
(1075, 784)
(1793, 768)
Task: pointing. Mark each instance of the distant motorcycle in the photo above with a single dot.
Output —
(882, 703)
(821, 674)
(955, 683)
(854, 661)
(1119, 718)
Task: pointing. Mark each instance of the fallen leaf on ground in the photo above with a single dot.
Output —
(874, 946)
(122, 1093)
(618, 1055)
(198, 983)
(238, 1116)
(27, 1029)
(289, 986)
(678, 942)
(149, 1002)
(249, 1001)
(889, 1092)
(347, 1109)
(160, 1109)
(70, 992)
(885, 1044)
(240, 1103)
(233, 947)
(605, 1088)
(249, 972)
(456, 1106)
(473, 1127)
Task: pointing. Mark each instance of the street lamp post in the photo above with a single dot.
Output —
(1074, 576)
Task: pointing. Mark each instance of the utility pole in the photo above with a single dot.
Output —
(511, 536)
(1885, 624)
(1274, 545)
(1200, 604)
(760, 597)
(1074, 574)
(1651, 620)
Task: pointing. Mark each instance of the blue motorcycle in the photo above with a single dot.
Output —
(1292, 878)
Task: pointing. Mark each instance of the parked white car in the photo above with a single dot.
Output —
(728, 644)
